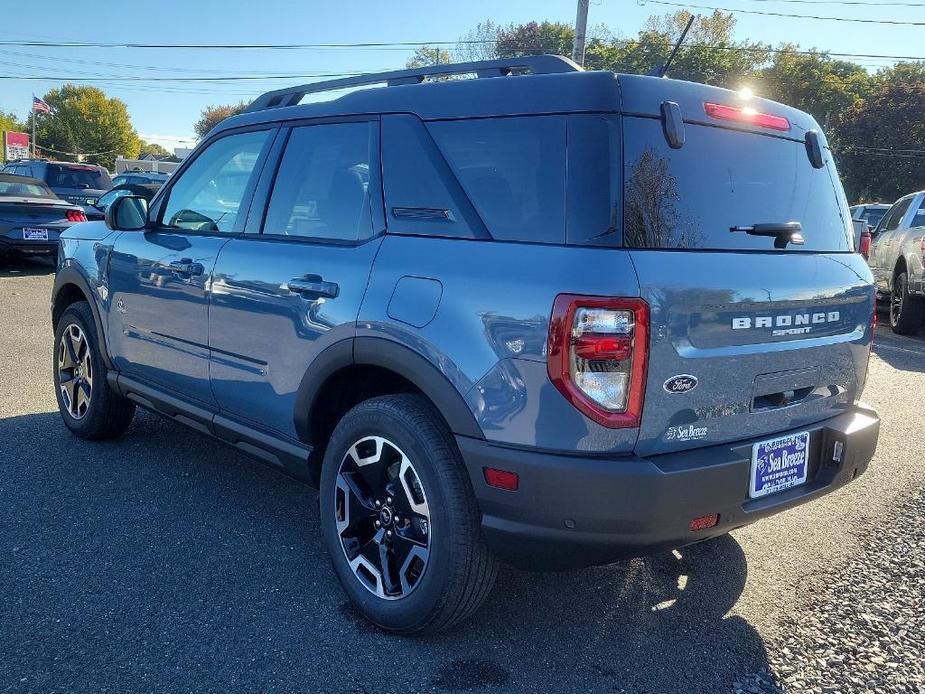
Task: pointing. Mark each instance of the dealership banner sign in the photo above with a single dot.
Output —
(15, 145)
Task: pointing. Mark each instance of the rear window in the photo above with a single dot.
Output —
(82, 177)
(874, 215)
(13, 189)
(689, 198)
(513, 171)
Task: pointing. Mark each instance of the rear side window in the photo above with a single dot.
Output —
(513, 171)
(322, 186)
(919, 219)
(81, 177)
(689, 198)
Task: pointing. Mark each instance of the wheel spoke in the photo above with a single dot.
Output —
(83, 395)
(389, 566)
(69, 356)
(70, 390)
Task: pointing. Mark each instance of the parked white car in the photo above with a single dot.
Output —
(897, 259)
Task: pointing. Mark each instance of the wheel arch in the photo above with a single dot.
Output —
(71, 287)
(355, 369)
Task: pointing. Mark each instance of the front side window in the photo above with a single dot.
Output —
(208, 194)
(322, 187)
(895, 215)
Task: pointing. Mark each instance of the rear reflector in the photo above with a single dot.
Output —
(501, 479)
(746, 115)
(704, 522)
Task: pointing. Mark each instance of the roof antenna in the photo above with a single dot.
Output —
(663, 70)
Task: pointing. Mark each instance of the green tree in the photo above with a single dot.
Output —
(85, 124)
(534, 38)
(9, 121)
(878, 140)
(428, 55)
(213, 115)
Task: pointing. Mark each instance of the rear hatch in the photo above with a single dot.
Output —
(748, 338)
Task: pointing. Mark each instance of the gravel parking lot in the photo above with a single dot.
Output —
(166, 562)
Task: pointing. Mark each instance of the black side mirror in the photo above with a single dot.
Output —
(129, 213)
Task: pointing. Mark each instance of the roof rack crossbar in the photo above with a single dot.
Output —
(534, 64)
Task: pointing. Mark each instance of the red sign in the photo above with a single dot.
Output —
(15, 145)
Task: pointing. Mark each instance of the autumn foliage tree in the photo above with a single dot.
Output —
(213, 115)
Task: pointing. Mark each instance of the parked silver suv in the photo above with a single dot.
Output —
(897, 258)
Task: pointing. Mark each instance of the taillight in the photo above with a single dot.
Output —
(76, 216)
(597, 353)
(746, 115)
(864, 248)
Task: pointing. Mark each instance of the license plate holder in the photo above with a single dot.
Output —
(778, 464)
(34, 234)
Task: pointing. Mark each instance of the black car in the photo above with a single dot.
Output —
(79, 184)
(32, 216)
(144, 190)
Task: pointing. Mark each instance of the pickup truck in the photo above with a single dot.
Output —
(897, 259)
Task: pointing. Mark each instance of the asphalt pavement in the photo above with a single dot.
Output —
(165, 562)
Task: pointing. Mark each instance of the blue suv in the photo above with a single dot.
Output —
(543, 315)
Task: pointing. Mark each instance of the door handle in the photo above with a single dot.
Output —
(186, 267)
(313, 286)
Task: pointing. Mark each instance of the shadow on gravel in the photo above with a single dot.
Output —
(903, 352)
(15, 266)
(164, 561)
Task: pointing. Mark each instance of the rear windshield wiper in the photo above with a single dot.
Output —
(783, 232)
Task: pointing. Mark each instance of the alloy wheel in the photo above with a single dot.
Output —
(896, 300)
(75, 371)
(382, 518)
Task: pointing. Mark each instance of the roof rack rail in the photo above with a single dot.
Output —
(534, 64)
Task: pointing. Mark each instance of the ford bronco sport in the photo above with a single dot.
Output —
(542, 315)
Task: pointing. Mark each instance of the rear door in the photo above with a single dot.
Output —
(881, 259)
(159, 278)
(774, 338)
(292, 285)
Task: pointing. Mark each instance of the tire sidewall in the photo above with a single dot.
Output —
(77, 315)
(408, 612)
(900, 286)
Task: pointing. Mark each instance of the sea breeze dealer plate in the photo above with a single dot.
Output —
(29, 234)
(778, 464)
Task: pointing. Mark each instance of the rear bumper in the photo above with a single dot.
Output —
(573, 511)
(29, 247)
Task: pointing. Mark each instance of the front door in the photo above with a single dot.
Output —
(280, 296)
(159, 277)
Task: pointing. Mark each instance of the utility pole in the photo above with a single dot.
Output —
(581, 28)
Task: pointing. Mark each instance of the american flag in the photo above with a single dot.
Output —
(40, 106)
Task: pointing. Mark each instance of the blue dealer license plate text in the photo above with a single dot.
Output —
(778, 464)
(32, 234)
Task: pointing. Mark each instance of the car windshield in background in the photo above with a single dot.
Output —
(10, 189)
(84, 177)
(690, 198)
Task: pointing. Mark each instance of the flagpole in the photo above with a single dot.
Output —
(33, 125)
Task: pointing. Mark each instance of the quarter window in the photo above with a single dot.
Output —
(322, 187)
(208, 194)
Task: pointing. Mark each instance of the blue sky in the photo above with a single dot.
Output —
(164, 112)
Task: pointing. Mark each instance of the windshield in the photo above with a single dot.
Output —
(83, 177)
(723, 179)
(14, 189)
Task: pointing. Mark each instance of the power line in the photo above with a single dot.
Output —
(786, 14)
(849, 2)
(244, 46)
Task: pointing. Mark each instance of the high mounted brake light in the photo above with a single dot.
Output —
(597, 356)
(746, 115)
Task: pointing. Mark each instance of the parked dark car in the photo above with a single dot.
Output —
(142, 190)
(140, 177)
(545, 316)
(32, 216)
(79, 184)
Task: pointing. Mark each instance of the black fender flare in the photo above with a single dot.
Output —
(391, 355)
(70, 275)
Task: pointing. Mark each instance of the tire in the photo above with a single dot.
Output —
(89, 408)
(434, 587)
(907, 313)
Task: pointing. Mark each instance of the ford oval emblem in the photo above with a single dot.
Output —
(682, 383)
